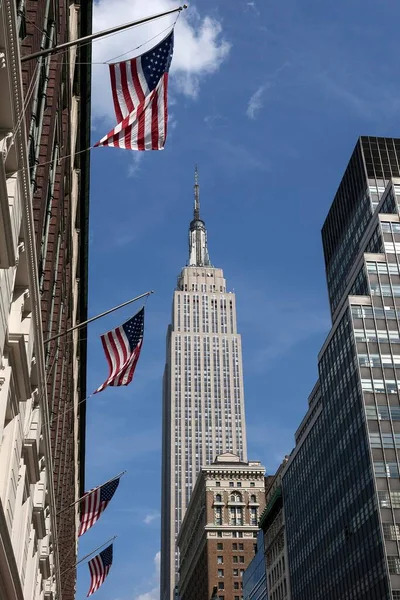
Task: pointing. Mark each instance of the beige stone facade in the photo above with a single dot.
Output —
(32, 436)
(217, 540)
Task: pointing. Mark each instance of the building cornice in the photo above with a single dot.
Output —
(20, 142)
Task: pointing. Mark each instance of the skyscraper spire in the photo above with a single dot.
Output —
(196, 212)
(198, 251)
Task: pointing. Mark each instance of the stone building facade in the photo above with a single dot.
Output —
(43, 291)
(218, 536)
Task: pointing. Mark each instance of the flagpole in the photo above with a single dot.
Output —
(103, 314)
(91, 492)
(94, 36)
(87, 555)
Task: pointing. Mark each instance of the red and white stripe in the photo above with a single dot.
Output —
(144, 127)
(91, 509)
(129, 87)
(121, 361)
(98, 573)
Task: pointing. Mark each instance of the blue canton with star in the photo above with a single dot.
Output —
(107, 491)
(157, 61)
(107, 556)
(134, 329)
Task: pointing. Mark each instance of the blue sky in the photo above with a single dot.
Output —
(269, 99)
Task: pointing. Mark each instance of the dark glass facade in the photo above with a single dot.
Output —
(341, 486)
(373, 163)
(254, 577)
(335, 548)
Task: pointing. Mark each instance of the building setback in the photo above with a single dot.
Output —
(217, 539)
(203, 399)
(341, 486)
(43, 291)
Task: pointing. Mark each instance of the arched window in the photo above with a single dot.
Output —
(253, 498)
(236, 497)
(218, 498)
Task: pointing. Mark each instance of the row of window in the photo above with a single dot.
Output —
(384, 289)
(235, 515)
(235, 546)
(236, 497)
(379, 386)
(378, 360)
(385, 440)
(386, 469)
(381, 336)
(232, 484)
(237, 585)
(369, 312)
(383, 268)
(388, 499)
(383, 412)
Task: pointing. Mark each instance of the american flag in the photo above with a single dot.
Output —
(122, 348)
(99, 568)
(93, 504)
(139, 88)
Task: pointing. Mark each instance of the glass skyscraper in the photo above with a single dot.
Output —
(341, 485)
(203, 400)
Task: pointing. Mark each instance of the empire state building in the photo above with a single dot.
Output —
(203, 400)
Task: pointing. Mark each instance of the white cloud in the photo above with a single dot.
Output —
(149, 518)
(256, 102)
(135, 167)
(154, 592)
(199, 47)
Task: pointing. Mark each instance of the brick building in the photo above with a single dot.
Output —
(44, 182)
(218, 535)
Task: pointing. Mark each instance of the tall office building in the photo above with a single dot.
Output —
(341, 485)
(203, 402)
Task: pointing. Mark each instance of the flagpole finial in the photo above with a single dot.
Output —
(196, 212)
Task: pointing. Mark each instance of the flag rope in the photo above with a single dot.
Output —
(91, 492)
(87, 555)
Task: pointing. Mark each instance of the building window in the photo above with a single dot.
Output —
(389, 469)
(236, 497)
(235, 515)
(236, 572)
(239, 484)
(253, 498)
(219, 533)
(394, 565)
(234, 546)
(241, 546)
(218, 515)
(235, 585)
(253, 516)
(220, 560)
(235, 559)
(391, 532)
(220, 572)
(218, 498)
(217, 484)
(221, 585)
(236, 597)
(220, 546)
(396, 595)
(231, 484)
(252, 484)
(241, 559)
